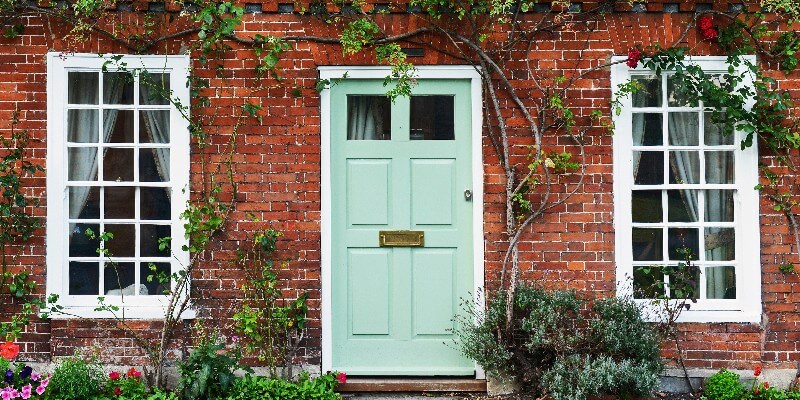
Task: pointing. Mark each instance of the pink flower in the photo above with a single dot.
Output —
(341, 377)
(634, 55)
(26, 391)
(36, 376)
(45, 381)
(40, 390)
(114, 375)
(6, 393)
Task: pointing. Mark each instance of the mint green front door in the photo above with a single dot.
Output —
(400, 166)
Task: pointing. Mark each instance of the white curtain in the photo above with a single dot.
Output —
(156, 125)
(365, 117)
(684, 130)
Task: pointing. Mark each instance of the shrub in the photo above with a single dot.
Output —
(208, 373)
(263, 388)
(724, 385)
(557, 344)
(75, 379)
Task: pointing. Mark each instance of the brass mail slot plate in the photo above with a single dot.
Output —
(401, 238)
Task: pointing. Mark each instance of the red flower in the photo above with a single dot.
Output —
(9, 350)
(705, 22)
(114, 375)
(757, 370)
(341, 377)
(709, 34)
(766, 385)
(117, 391)
(133, 373)
(634, 55)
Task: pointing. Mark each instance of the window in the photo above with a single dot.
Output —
(682, 189)
(117, 162)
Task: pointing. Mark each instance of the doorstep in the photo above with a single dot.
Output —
(412, 385)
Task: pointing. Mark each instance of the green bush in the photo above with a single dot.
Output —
(559, 345)
(724, 385)
(263, 388)
(208, 373)
(75, 379)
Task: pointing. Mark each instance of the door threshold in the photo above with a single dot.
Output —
(412, 384)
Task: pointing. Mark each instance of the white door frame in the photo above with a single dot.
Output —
(423, 72)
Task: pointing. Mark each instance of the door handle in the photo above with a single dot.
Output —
(468, 195)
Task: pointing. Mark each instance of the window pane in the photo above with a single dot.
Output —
(432, 118)
(720, 244)
(713, 132)
(721, 282)
(82, 87)
(154, 165)
(368, 118)
(155, 203)
(149, 277)
(683, 206)
(150, 236)
(84, 202)
(649, 95)
(684, 281)
(80, 245)
(683, 242)
(719, 167)
(719, 205)
(154, 126)
(120, 202)
(119, 275)
(117, 88)
(648, 167)
(82, 164)
(118, 126)
(684, 167)
(82, 126)
(84, 278)
(684, 129)
(118, 165)
(648, 282)
(677, 94)
(154, 89)
(647, 244)
(646, 206)
(124, 242)
(647, 129)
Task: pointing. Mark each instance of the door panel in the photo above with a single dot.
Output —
(393, 306)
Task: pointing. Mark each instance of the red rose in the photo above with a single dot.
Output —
(117, 391)
(133, 373)
(634, 55)
(114, 375)
(341, 377)
(709, 34)
(757, 370)
(766, 385)
(9, 350)
(705, 22)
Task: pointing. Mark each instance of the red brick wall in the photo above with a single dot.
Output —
(278, 175)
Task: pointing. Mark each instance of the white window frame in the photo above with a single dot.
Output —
(58, 65)
(747, 306)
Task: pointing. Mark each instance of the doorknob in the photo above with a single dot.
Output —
(468, 195)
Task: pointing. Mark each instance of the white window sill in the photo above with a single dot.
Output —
(128, 312)
(700, 313)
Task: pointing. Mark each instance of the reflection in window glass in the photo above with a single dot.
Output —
(432, 118)
(649, 93)
(648, 167)
(721, 282)
(647, 244)
(648, 282)
(646, 206)
(368, 117)
(647, 129)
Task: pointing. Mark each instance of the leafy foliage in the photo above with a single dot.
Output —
(75, 378)
(557, 344)
(208, 373)
(304, 388)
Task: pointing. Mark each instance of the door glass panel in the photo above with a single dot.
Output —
(368, 117)
(647, 129)
(432, 118)
(646, 206)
